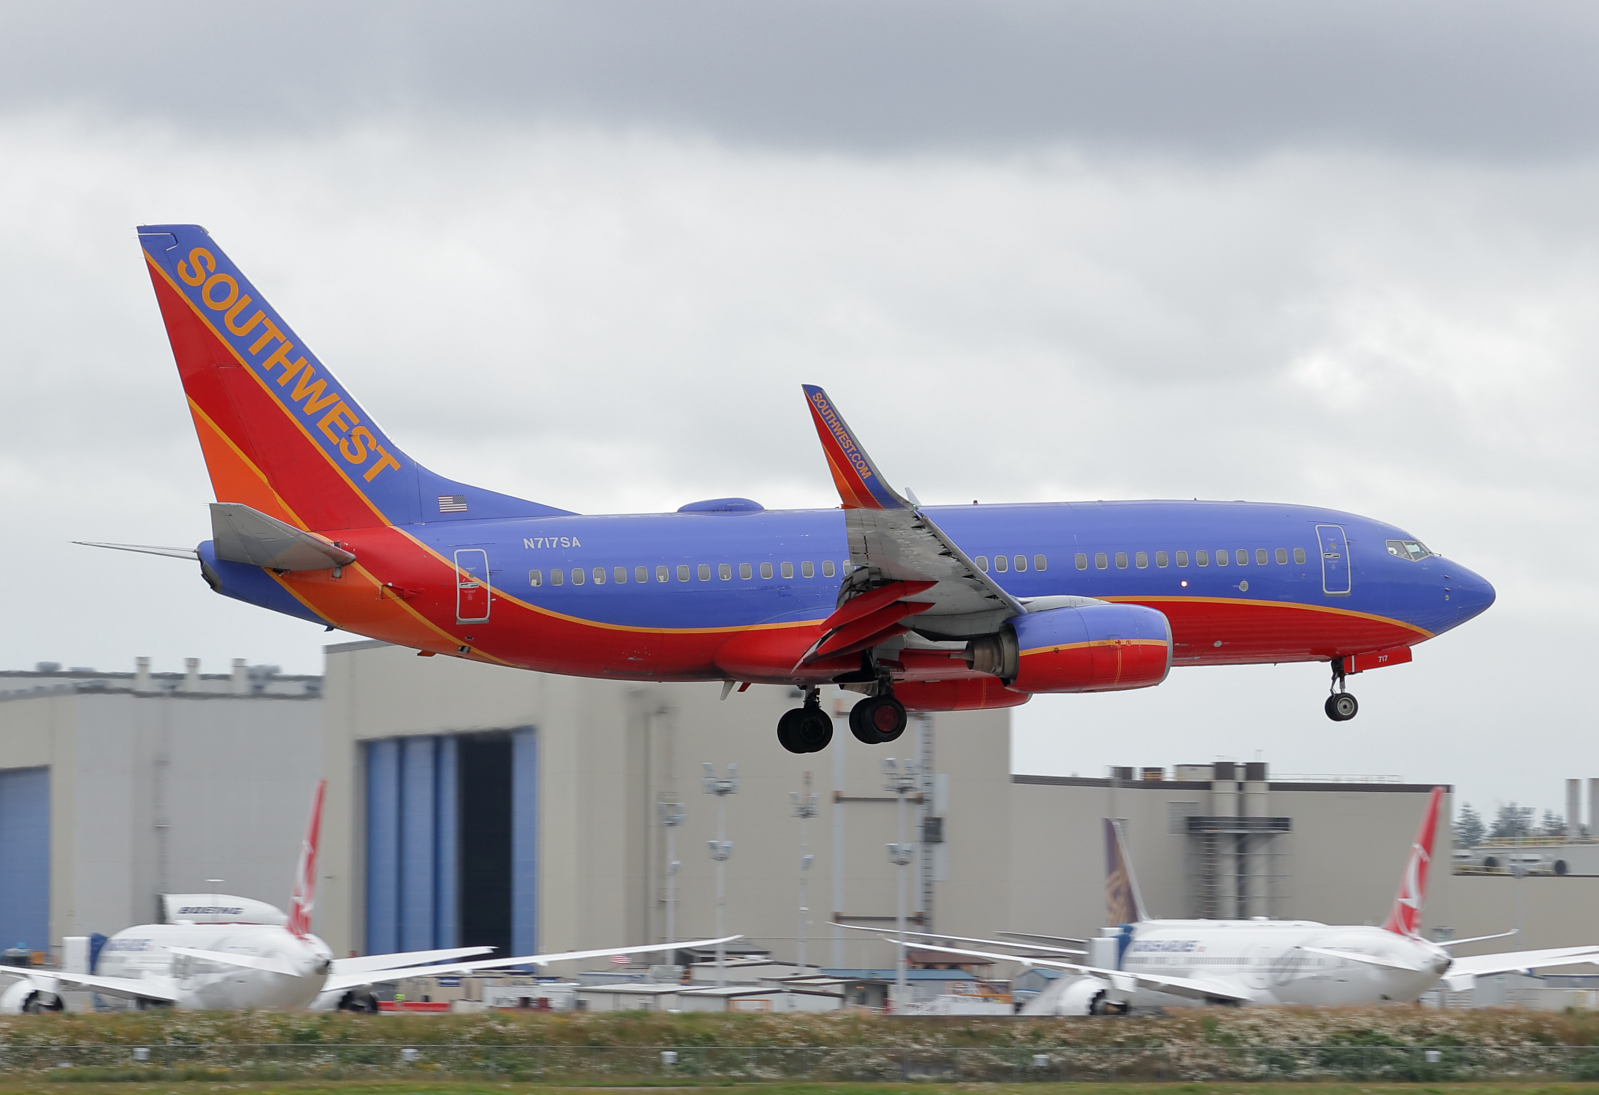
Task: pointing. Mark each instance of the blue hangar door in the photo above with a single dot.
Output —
(452, 842)
(25, 858)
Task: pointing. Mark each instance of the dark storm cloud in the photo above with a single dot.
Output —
(1451, 77)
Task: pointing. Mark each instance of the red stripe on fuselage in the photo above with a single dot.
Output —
(1216, 631)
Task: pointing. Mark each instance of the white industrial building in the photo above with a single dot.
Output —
(473, 804)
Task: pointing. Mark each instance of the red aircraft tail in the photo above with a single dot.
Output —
(279, 432)
(1405, 919)
(303, 899)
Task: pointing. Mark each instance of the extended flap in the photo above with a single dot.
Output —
(245, 535)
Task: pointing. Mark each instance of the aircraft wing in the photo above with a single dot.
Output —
(1463, 970)
(343, 982)
(1196, 988)
(1368, 959)
(891, 540)
(969, 939)
(372, 963)
(130, 988)
(243, 961)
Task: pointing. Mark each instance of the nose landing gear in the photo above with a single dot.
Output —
(805, 729)
(1341, 706)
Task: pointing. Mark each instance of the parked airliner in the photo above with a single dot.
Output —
(322, 516)
(217, 966)
(1143, 962)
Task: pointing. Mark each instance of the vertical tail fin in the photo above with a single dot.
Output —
(279, 432)
(303, 899)
(1405, 918)
(1123, 903)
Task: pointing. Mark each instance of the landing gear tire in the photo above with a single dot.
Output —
(1341, 706)
(363, 1002)
(804, 730)
(878, 720)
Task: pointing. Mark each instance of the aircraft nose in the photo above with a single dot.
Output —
(1469, 592)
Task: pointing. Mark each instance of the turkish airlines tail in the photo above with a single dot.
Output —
(303, 899)
(1405, 919)
(1123, 903)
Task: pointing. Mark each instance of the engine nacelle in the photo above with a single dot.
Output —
(1088, 648)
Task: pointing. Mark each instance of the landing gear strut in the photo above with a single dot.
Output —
(1341, 706)
(805, 729)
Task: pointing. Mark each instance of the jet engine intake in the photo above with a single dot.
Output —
(1089, 648)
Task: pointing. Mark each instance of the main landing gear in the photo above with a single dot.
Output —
(876, 720)
(1341, 706)
(805, 729)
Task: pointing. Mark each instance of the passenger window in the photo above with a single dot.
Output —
(982, 563)
(577, 576)
(807, 569)
(827, 568)
(599, 576)
(1299, 555)
(682, 572)
(724, 571)
(661, 574)
(1282, 556)
(787, 569)
(705, 572)
(1141, 560)
(1161, 559)
(744, 571)
(557, 577)
(642, 575)
(1202, 558)
(1001, 564)
(1020, 563)
(766, 570)
(1221, 557)
(1260, 556)
(1100, 561)
(1082, 561)
(621, 576)
(1040, 563)
(535, 578)
(1121, 560)
(1241, 556)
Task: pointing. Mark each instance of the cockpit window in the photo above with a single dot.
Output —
(1408, 549)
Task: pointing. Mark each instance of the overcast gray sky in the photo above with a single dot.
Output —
(1339, 254)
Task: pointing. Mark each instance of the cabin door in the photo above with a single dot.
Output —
(1334, 559)
(471, 585)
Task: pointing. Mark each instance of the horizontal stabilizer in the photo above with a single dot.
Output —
(144, 549)
(245, 535)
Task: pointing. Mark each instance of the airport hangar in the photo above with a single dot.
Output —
(473, 804)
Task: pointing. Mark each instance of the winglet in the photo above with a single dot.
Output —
(1123, 903)
(860, 484)
(1405, 919)
(303, 899)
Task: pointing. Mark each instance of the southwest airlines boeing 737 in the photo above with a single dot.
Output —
(321, 515)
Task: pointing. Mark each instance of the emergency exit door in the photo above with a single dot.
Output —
(1335, 575)
(471, 585)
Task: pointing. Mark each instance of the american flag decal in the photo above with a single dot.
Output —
(452, 503)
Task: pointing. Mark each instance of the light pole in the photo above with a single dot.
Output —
(901, 782)
(804, 808)
(721, 851)
(672, 816)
